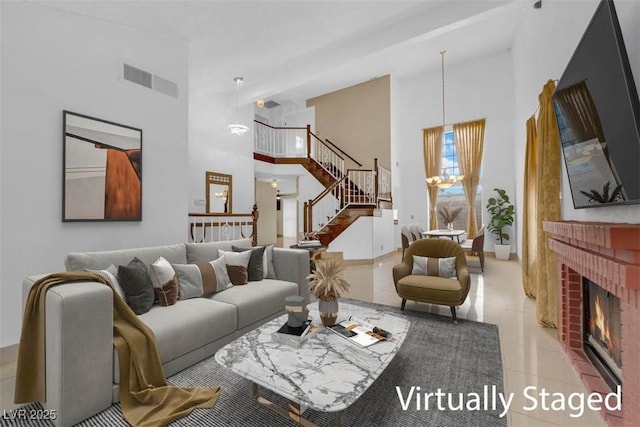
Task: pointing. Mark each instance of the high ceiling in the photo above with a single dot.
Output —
(295, 50)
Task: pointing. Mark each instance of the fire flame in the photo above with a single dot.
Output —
(598, 323)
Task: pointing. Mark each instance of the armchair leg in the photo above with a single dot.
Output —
(404, 301)
(453, 314)
(481, 256)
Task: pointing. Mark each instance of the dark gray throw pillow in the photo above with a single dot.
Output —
(137, 286)
(255, 268)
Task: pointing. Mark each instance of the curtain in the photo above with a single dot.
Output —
(529, 233)
(543, 277)
(469, 138)
(432, 139)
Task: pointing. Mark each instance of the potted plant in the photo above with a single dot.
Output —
(326, 283)
(502, 213)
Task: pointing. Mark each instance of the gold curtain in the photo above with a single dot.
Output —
(469, 139)
(542, 276)
(529, 233)
(432, 139)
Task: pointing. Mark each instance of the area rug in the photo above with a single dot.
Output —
(459, 361)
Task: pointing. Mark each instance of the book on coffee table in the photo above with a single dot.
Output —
(360, 332)
(293, 336)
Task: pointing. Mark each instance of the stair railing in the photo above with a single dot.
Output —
(383, 182)
(360, 187)
(326, 206)
(326, 156)
(357, 187)
(278, 141)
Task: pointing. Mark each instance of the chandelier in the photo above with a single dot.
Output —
(236, 128)
(445, 180)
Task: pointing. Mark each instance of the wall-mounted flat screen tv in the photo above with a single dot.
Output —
(598, 114)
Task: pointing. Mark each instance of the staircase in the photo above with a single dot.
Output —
(349, 193)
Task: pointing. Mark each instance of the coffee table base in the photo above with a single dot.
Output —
(294, 411)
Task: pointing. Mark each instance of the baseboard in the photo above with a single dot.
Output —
(370, 261)
(8, 354)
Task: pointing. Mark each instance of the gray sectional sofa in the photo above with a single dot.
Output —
(81, 364)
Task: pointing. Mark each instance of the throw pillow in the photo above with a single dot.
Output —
(237, 263)
(168, 293)
(269, 266)
(110, 275)
(442, 267)
(203, 278)
(161, 273)
(136, 285)
(255, 269)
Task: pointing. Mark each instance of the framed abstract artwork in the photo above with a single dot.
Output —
(102, 170)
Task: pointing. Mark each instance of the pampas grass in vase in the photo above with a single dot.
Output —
(327, 283)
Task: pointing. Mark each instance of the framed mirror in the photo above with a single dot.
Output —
(102, 170)
(219, 193)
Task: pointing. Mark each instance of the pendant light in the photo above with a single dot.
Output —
(236, 128)
(445, 180)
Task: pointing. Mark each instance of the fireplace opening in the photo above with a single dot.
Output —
(602, 326)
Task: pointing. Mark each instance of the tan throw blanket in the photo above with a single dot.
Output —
(145, 397)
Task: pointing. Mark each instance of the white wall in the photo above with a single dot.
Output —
(542, 48)
(53, 61)
(213, 148)
(369, 237)
(480, 88)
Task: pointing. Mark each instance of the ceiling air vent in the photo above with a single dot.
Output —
(150, 81)
(271, 104)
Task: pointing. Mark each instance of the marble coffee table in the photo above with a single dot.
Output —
(327, 373)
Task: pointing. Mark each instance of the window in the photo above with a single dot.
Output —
(453, 197)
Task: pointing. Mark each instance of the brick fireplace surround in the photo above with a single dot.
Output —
(609, 255)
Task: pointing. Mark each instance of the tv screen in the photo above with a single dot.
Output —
(598, 114)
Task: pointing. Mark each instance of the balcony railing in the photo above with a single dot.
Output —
(213, 227)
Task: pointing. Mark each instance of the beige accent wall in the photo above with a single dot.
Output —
(358, 120)
(266, 202)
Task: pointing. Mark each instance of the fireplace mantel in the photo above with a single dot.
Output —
(608, 254)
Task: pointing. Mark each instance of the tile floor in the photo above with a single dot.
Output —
(531, 355)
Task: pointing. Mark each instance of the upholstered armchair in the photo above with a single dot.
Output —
(419, 280)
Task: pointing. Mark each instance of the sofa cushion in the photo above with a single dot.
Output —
(441, 267)
(437, 290)
(255, 269)
(203, 278)
(161, 272)
(257, 300)
(237, 265)
(205, 252)
(188, 325)
(136, 285)
(110, 274)
(168, 293)
(175, 254)
(269, 267)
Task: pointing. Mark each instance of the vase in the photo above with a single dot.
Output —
(450, 226)
(328, 311)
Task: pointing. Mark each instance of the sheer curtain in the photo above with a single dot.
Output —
(432, 139)
(529, 233)
(469, 137)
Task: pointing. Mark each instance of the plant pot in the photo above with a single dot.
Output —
(502, 251)
(328, 311)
